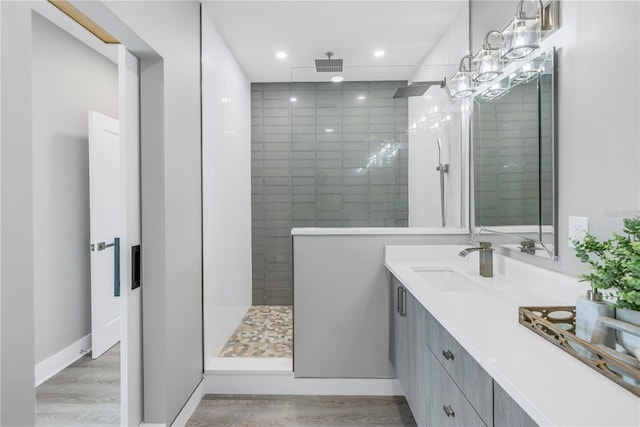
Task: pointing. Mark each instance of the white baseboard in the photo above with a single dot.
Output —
(188, 408)
(65, 357)
(286, 383)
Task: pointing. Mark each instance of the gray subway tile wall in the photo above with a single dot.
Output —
(337, 156)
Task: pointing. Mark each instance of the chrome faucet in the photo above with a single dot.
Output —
(486, 257)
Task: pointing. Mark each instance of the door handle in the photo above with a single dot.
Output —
(403, 303)
(116, 261)
(116, 266)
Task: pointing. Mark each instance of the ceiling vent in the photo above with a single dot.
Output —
(329, 65)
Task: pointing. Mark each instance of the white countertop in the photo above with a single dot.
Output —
(553, 387)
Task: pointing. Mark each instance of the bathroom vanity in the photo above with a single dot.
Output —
(462, 358)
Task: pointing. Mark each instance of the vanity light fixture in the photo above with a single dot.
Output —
(378, 53)
(281, 55)
(497, 90)
(522, 36)
(461, 83)
(528, 71)
(337, 79)
(487, 64)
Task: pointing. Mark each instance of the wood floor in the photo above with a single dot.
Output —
(316, 411)
(87, 393)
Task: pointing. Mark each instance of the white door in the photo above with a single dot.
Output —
(104, 207)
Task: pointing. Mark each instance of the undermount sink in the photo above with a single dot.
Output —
(447, 280)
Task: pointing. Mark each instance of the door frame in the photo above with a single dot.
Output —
(17, 361)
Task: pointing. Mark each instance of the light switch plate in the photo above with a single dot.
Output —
(578, 226)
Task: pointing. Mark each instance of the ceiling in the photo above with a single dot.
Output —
(352, 30)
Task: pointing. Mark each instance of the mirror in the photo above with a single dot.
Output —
(513, 158)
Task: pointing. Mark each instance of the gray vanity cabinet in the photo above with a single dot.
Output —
(398, 330)
(448, 406)
(465, 372)
(406, 346)
(443, 384)
(506, 412)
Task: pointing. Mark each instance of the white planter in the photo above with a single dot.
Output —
(629, 341)
(587, 313)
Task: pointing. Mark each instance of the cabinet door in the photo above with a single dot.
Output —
(416, 346)
(399, 354)
(506, 412)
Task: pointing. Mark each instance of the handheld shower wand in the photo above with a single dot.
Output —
(442, 168)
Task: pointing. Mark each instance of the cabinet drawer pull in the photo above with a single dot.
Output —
(448, 410)
(403, 302)
(447, 354)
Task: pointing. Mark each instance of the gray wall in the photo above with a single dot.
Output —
(598, 128)
(172, 271)
(171, 202)
(303, 175)
(69, 79)
(341, 307)
(16, 219)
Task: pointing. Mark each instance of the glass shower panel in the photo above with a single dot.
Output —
(322, 155)
(349, 155)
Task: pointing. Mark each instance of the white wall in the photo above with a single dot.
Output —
(597, 116)
(69, 79)
(433, 116)
(226, 189)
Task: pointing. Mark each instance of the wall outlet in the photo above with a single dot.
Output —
(578, 226)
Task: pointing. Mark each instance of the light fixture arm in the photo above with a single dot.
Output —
(520, 14)
(462, 67)
(487, 45)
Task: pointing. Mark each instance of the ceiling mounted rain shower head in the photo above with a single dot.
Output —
(329, 65)
(418, 88)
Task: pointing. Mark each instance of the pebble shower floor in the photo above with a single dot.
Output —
(265, 331)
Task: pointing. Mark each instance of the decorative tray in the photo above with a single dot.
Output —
(557, 325)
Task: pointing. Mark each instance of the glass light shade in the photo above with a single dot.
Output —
(528, 71)
(521, 37)
(487, 65)
(497, 90)
(460, 85)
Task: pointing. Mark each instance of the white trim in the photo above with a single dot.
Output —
(377, 231)
(187, 410)
(65, 357)
(286, 383)
(252, 365)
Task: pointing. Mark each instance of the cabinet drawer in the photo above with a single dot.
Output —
(446, 405)
(474, 382)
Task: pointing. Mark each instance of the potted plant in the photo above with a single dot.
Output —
(615, 267)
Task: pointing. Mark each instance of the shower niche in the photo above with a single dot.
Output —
(513, 158)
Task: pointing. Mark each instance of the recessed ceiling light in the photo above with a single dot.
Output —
(281, 55)
(378, 53)
(293, 99)
(337, 79)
